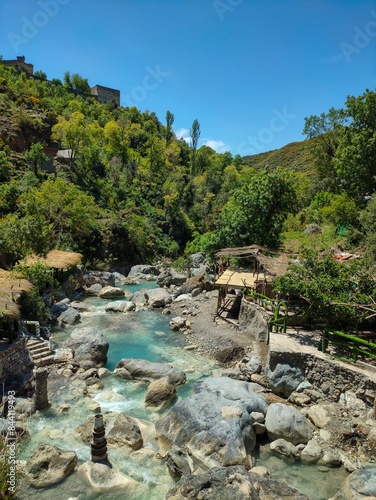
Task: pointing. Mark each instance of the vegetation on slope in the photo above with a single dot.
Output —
(130, 191)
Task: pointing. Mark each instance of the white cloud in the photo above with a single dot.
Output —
(183, 133)
(218, 146)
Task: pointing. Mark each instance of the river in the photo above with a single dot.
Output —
(143, 334)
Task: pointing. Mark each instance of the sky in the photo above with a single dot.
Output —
(249, 71)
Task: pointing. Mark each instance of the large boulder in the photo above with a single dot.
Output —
(253, 320)
(120, 306)
(232, 483)
(126, 431)
(160, 392)
(286, 422)
(158, 297)
(284, 379)
(49, 465)
(143, 270)
(359, 485)
(147, 371)
(89, 346)
(101, 277)
(214, 424)
(94, 290)
(101, 478)
(69, 316)
(110, 292)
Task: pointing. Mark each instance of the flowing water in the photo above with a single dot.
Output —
(145, 335)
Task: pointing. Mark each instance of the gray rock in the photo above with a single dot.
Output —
(199, 271)
(168, 278)
(288, 423)
(69, 317)
(359, 485)
(140, 369)
(177, 323)
(320, 415)
(143, 269)
(311, 453)
(140, 298)
(105, 480)
(232, 483)
(57, 310)
(197, 259)
(183, 297)
(250, 366)
(179, 462)
(303, 386)
(49, 465)
(284, 448)
(160, 392)
(214, 424)
(101, 277)
(94, 290)
(120, 306)
(330, 459)
(284, 379)
(110, 292)
(89, 346)
(126, 431)
(158, 297)
(119, 278)
(253, 320)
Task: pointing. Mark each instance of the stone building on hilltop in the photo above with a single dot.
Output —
(106, 94)
(20, 65)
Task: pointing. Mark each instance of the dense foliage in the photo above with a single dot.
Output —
(129, 190)
(331, 289)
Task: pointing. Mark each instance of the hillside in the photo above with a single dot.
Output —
(298, 156)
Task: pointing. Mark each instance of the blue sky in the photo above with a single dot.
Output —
(249, 70)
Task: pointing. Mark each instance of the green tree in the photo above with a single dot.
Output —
(36, 157)
(70, 213)
(330, 288)
(355, 159)
(256, 211)
(169, 122)
(194, 133)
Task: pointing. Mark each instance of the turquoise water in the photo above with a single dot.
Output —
(142, 334)
(146, 335)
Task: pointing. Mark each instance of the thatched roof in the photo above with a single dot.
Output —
(275, 265)
(56, 259)
(10, 290)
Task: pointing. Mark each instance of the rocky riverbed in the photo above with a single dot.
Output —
(261, 401)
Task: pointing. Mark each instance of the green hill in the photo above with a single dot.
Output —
(297, 156)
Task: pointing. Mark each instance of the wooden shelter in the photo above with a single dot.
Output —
(266, 264)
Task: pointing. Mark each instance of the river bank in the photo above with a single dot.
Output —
(205, 347)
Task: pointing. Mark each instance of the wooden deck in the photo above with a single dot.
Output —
(236, 279)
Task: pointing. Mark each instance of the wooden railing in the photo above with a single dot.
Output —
(356, 344)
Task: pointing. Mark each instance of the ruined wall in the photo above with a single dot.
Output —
(15, 361)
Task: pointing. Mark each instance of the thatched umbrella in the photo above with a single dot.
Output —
(10, 290)
(56, 259)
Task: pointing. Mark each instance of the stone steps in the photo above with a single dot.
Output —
(40, 352)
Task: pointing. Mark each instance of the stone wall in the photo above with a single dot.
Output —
(330, 376)
(15, 362)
